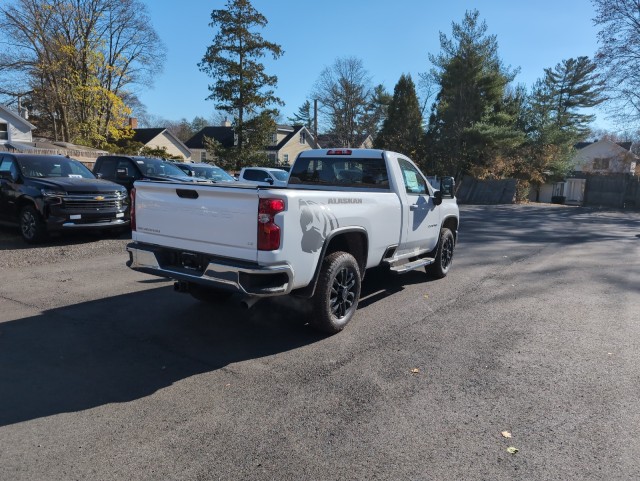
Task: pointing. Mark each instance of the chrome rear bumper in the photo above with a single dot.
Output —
(245, 278)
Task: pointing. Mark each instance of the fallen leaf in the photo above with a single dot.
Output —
(512, 450)
(426, 296)
(415, 370)
(506, 434)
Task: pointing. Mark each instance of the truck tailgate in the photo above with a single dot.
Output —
(203, 218)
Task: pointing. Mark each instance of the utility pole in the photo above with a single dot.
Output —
(315, 119)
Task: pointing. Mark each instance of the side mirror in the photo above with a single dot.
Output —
(447, 186)
(7, 175)
(122, 174)
(437, 197)
(269, 180)
(99, 175)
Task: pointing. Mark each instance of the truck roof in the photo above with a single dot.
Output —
(344, 152)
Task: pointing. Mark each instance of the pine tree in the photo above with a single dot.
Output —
(472, 83)
(241, 88)
(303, 116)
(377, 110)
(402, 130)
(554, 118)
(572, 86)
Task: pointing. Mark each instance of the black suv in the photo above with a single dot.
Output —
(126, 169)
(52, 193)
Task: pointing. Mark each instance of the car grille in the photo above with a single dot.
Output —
(94, 201)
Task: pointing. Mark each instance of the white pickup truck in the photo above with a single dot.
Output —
(343, 211)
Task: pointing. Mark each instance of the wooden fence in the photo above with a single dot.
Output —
(621, 191)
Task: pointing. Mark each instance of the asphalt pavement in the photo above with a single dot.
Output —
(521, 364)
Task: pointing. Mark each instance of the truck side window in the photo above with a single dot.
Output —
(8, 165)
(255, 175)
(414, 183)
(108, 168)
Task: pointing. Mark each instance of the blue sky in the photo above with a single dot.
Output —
(390, 37)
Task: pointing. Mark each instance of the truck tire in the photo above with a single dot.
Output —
(337, 293)
(444, 255)
(208, 294)
(32, 227)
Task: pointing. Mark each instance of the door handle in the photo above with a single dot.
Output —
(414, 207)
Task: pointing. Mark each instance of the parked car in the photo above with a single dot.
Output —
(264, 176)
(52, 193)
(126, 169)
(206, 171)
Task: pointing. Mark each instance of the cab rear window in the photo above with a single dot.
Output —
(366, 173)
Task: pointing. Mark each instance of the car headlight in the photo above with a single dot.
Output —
(53, 196)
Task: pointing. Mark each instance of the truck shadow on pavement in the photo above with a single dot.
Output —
(123, 348)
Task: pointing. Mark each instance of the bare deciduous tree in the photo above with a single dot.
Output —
(344, 92)
(78, 62)
(618, 56)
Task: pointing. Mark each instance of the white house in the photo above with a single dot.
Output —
(14, 128)
(605, 157)
(601, 157)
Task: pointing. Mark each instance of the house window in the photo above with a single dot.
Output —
(4, 134)
(303, 137)
(600, 164)
(286, 159)
(274, 139)
(203, 156)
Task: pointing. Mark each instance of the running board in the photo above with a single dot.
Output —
(410, 266)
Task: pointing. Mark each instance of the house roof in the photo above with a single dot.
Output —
(224, 135)
(146, 135)
(582, 145)
(293, 131)
(15, 117)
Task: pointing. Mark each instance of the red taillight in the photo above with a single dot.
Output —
(339, 152)
(268, 230)
(132, 209)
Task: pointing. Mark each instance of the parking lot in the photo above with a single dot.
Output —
(521, 364)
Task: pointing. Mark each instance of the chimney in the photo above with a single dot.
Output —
(22, 111)
(226, 123)
(133, 122)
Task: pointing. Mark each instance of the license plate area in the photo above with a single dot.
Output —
(192, 262)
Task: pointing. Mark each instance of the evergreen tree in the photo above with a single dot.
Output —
(472, 83)
(554, 118)
(241, 88)
(402, 130)
(303, 116)
(377, 110)
(570, 87)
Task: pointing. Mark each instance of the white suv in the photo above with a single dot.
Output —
(264, 176)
